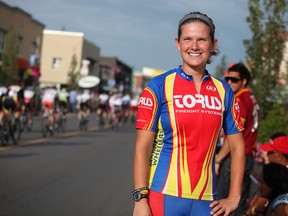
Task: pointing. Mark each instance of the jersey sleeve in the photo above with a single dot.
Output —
(149, 107)
(232, 120)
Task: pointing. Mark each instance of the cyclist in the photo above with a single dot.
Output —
(103, 107)
(27, 106)
(133, 109)
(63, 101)
(126, 106)
(14, 100)
(3, 92)
(49, 97)
(84, 104)
(115, 105)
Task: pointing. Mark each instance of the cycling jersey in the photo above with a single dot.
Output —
(115, 103)
(187, 124)
(103, 101)
(28, 95)
(48, 98)
(63, 96)
(250, 118)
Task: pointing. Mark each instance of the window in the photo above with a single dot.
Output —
(56, 63)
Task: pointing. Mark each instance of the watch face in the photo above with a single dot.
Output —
(137, 197)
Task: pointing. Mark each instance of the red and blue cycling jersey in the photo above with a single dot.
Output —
(187, 124)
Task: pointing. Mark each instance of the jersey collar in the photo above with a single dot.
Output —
(186, 76)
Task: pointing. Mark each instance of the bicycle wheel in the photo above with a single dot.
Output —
(29, 123)
(22, 119)
(13, 132)
(82, 123)
(59, 125)
(117, 124)
(45, 126)
(17, 131)
(4, 133)
(64, 123)
(86, 123)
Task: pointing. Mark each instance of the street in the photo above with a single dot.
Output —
(76, 173)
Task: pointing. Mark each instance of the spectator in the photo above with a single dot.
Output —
(238, 78)
(275, 188)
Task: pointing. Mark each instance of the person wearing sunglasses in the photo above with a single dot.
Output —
(238, 78)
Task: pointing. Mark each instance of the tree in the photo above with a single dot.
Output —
(220, 69)
(10, 72)
(73, 75)
(276, 121)
(267, 20)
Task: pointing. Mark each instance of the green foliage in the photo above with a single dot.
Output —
(275, 121)
(10, 72)
(267, 21)
(73, 75)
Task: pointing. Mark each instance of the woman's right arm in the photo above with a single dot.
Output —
(143, 149)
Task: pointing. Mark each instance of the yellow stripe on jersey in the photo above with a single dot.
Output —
(221, 91)
(172, 175)
(204, 185)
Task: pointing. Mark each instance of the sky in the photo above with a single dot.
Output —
(141, 33)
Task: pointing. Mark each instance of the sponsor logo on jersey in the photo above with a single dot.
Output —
(144, 101)
(190, 101)
(211, 88)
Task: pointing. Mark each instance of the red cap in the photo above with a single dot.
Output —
(279, 144)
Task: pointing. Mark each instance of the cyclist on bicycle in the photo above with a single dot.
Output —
(84, 104)
(133, 108)
(115, 104)
(13, 100)
(27, 106)
(126, 106)
(103, 107)
(63, 101)
(3, 92)
(49, 97)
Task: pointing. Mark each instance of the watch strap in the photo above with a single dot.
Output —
(140, 189)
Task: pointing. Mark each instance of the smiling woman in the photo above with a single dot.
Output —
(174, 156)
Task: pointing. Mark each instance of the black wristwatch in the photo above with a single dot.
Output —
(137, 196)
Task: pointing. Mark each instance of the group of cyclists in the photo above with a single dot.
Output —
(110, 107)
(14, 102)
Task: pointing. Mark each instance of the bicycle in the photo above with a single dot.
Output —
(46, 126)
(116, 117)
(83, 123)
(10, 129)
(101, 117)
(25, 122)
(61, 121)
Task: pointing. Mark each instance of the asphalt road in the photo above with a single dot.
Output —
(73, 173)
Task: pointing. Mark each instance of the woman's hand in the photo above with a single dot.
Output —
(224, 206)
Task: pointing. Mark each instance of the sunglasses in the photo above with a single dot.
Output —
(271, 152)
(233, 79)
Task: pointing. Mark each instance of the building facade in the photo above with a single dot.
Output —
(114, 73)
(59, 48)
(28, 32)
